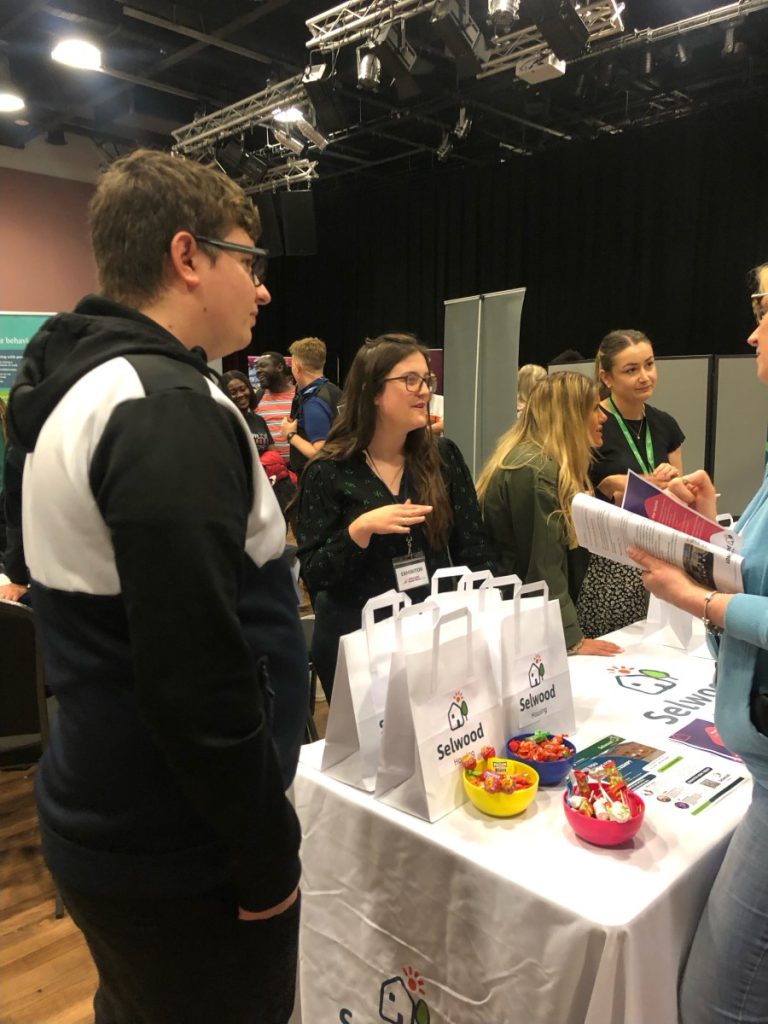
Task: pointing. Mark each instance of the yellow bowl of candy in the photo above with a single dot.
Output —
(500, 786)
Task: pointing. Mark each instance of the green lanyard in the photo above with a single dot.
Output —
(631, 442)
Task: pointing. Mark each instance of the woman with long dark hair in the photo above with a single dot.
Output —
(384, 503)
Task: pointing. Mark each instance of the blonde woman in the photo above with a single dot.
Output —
(528, 377)
(526, 490)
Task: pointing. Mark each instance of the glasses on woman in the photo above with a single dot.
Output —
(415, 381)
(257, 269)
(758, 309)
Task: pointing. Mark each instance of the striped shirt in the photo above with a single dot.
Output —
(273, 408)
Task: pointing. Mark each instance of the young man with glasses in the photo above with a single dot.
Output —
(168, 616)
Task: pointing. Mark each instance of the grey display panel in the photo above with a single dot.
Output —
(741, 416)
(482, 336)
(682, 392)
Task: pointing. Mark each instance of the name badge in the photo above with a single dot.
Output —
(411, 571)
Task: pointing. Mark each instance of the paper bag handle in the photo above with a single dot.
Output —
(482, 576)
(392, 599)
(456, 613)
(415, 609)
(451, 572)
(540, 586)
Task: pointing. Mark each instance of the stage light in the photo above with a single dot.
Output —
(460, 34)
(309, 131)
(463, 125)
(729, 44)
(236, 162)
(77, 53)
(682, 53)
(368, 69)
(11, 99)
(561, 25)
(443, 151)
(648, 63)
(288, 115)
(289, 142)
(502, 14)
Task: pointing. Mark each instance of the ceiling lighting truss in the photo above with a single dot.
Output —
(295, 172)
(356, 20)
(194, 138)
(603, 19)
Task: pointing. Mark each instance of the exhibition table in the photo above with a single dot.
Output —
(480, 920)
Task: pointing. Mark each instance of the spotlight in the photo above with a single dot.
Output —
(330, 115)
(648, 63)
(290, 142)
(11, 99)
(295, 116)
(443, 151)
(502, 14)
(563, 28)
(729, 44)
(460, 34)
(682, 53)
(463, 125)
(368, 69)
(77, 53)
(287, 115)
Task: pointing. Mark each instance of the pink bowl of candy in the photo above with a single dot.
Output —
(600, 808)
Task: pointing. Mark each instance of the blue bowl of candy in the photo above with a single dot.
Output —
(551, 772)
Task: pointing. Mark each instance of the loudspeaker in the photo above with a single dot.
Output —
(297, 210)
(271, 237)
(560, 24)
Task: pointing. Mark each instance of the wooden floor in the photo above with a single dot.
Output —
(46, 973)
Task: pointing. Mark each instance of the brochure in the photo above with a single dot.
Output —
(703, 735)
(609, 531)
(665, 780)
(646, 499)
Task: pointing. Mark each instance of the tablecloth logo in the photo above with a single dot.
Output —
(400, 1000)
(650, 681)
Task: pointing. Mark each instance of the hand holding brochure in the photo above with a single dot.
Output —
(648, 500)
(609, 531)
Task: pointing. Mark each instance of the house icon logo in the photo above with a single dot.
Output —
(649, 681)
(536, 672)
(458, 712)
(400, 1000)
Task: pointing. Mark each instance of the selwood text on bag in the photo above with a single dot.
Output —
(353, 736)
(446, 705)
(536, 682)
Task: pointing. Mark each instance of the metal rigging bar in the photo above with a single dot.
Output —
(355, 20)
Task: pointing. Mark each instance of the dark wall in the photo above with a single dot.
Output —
(655, 229)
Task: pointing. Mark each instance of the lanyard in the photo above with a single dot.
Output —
(631, 441)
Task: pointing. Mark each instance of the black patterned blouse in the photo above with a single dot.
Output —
(335, 492)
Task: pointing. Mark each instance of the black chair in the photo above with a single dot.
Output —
(308, 624)
(23, 707)
(23, 703)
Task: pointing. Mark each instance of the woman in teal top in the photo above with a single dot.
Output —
(726, 977)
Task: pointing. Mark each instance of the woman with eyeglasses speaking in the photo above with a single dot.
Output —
(384, 503)
(726, 977)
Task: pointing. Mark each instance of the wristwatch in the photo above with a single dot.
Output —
(290, 436)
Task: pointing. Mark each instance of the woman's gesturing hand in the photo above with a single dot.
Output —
(396, 518)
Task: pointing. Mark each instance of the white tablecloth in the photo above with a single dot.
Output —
(494, 921)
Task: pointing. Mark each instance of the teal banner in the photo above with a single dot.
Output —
(15, 331)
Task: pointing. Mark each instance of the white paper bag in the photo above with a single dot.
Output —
(353, 736)
(536, 681)
(672, 627)
(442, 702)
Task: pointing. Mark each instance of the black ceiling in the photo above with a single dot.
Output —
(169, 63)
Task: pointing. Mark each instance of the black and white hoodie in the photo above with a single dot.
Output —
(168, 617)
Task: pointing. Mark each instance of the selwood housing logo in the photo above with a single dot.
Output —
(400, 1001)
(458, 714)
(536, 674)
